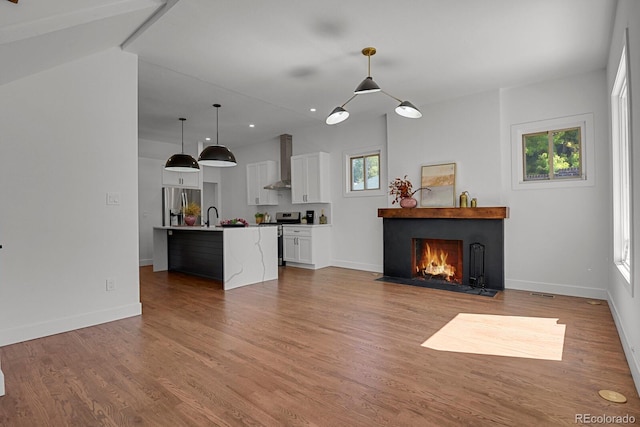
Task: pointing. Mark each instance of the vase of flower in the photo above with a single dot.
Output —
(191, 212)
(408, 202)
(403, 192)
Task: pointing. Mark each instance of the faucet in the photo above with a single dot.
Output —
(215, 209)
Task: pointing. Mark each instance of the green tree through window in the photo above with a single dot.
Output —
(365, 172)
(553, 154)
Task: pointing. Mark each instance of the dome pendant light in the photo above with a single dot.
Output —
(405, 109)
(217, 155)
(182, 162)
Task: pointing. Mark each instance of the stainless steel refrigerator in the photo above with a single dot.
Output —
(173, 200)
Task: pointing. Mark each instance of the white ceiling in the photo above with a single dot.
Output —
(269, 62)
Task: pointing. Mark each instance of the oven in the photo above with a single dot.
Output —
(283, 218)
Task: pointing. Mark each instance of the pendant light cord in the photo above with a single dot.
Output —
(217, 125)
(182, 120)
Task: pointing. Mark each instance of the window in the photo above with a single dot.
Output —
(365, 172)
(620, 127)
(553, 153)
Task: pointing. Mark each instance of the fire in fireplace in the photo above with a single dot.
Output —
(438, 259)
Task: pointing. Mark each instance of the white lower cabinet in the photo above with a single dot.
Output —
(307, 246)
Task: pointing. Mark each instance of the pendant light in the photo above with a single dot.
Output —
(217, 155)
(368, 85)
(182, 162)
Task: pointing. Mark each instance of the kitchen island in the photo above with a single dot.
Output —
(237, 256)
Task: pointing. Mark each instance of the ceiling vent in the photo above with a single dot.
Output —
(285, 165)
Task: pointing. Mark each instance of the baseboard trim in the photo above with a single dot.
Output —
(66, 324)
(632, 361)
(375, 268)
(556, 288)
(145, 262)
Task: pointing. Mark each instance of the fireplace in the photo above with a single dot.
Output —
(465, 248)
(437, 259)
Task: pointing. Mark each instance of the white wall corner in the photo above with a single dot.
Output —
(632, 360)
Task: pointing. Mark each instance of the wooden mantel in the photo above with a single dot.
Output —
(496, 212)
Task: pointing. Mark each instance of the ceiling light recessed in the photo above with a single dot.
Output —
(252, 125)
(313, 110)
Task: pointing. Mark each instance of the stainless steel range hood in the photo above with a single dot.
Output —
(285, 165)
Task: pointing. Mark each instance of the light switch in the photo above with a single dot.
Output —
(113, 198)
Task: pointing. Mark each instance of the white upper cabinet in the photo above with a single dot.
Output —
(259, 175)
(310, 178)
(180, 179)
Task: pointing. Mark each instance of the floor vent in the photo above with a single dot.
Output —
(537, 294)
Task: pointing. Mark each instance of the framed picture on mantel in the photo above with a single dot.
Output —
(438, 186)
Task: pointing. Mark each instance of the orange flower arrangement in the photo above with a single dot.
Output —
(401, 188)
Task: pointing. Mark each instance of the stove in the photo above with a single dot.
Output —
(281, 219)
(288, 217)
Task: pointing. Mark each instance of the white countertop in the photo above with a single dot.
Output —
(201, 227)
(306, 225)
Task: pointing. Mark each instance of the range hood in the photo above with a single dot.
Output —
(285, 165)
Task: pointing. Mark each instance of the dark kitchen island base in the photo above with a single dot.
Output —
(196, 253)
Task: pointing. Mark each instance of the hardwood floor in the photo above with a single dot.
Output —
(331, 347)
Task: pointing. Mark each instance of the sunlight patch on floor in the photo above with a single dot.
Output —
(511, 336)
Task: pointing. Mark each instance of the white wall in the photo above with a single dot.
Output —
(624, 306)
(557, 239)
(464, 131)
(149, 204)
(69, 136)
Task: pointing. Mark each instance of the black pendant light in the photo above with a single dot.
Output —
(217, 155)
(182, 162)
(405, 109)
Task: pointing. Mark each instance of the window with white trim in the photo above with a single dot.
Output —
(620, 127)
(363, 172)
(553, 153)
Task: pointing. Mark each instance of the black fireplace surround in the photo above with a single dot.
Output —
(399, 246)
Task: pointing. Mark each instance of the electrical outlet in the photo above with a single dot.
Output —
(111, 284)
(113, 198)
